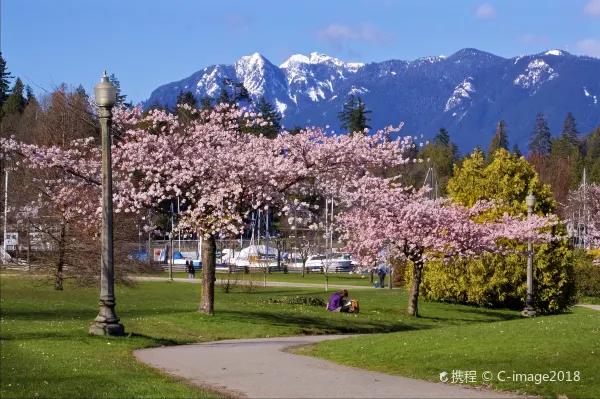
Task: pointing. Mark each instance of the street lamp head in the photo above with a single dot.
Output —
(106, 92)
(530, 200)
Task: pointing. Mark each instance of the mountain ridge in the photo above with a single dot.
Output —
(467, 92)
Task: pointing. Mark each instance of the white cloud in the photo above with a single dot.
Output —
(485, 11)
(335, 33)
(592, 8)
(528, 38)
(589, 47)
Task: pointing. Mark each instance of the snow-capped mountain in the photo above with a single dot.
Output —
(467, 92)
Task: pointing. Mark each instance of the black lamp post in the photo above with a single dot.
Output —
(529, 310)
(107, 322)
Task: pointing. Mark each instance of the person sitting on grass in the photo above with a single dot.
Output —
(336, 302)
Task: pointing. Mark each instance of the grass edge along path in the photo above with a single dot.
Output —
(567, 343)
(47, 352)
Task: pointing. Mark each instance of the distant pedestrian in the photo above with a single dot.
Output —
(381, 274)
(190, 268)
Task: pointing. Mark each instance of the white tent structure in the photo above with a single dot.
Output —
(256, 256)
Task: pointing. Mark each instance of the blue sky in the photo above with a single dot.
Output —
(150, 43)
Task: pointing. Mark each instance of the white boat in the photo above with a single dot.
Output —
(332, 263)
(255, 256)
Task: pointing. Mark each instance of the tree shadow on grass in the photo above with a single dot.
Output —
(480, 315)
(83, 314)
(311, 325)
(83, 337)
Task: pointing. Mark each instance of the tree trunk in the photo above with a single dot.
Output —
(371, 275)
(209, 260)
(265, 275)
(413, 296)
(303, 267)
(28, 248)
(58, 277)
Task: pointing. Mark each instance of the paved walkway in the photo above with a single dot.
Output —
(586, 305)
(259, 283)
(257, 368)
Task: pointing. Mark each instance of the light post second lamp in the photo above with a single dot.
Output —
(529, 310)
(107, 322)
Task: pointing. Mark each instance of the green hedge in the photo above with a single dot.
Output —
(500, 281)
(587, 274)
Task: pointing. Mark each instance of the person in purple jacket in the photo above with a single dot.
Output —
(336, 302)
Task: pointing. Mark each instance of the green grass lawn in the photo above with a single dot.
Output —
(591, 300)
(310, 278)
(46, 350)
(568, 343)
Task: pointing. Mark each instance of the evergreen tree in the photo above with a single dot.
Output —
(80, 91)
(206, 102)
(297, 129)
(516, 152)
(354, 117)
(239, 93)
(361, 117)
(155, 105)
(442, 138)
(541, 139)
(570, 133)
(271, 115)
(120, 96)
(29, 96)
(189, 99)
(4, 81)
(345, 116)
(223, 97)
(500, 140)
(15, 103)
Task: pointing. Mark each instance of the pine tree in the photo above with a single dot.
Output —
(120, 96)
(442, 138)
(541, 139)
(15, 103)
(361, 117)
(223, 97)
(80, 91)
(189, 99)
(297, 129)
(570, 133)
(239, 93)
(500, 140)
(206, 102)
(516, 152)
(354, 117)
(271, 115)
(345, 116)
(29, 96)
(4, 81)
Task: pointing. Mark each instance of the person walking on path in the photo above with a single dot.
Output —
(381, 274)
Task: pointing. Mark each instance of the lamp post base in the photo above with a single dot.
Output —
(107, 329)
(528, 313)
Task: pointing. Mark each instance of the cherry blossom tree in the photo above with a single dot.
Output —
(220, 173)
(584, 205)
(381, 214)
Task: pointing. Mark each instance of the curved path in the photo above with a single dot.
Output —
(257, 368)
